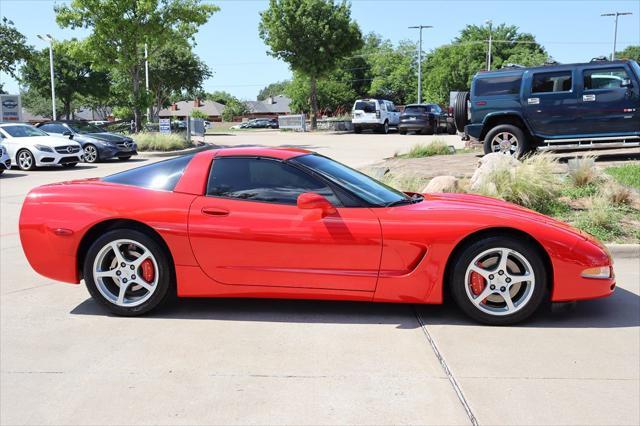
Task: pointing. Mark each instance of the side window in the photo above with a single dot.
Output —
(551, 82)
(391, 107)
(261, 179)
(383, 107)
(501, 85)
(163, 175)
(604, 78)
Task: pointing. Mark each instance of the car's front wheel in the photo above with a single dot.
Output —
(25, 160)
(91, 154)
(499, 280)
(128, 272)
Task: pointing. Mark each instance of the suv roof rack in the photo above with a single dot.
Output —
(600, 59)
(510, 65)
(550, 62)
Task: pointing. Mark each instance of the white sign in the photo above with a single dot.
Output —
(197, 126)
(165, 126)
(10, 108)
(296, 122)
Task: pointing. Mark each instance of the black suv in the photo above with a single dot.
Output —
(588, 105)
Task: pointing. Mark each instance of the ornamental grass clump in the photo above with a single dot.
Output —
(532, 183)
(583, 171)
(150, 141)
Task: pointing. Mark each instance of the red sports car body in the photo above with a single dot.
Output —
(226, 244)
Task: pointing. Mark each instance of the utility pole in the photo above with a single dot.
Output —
(420, 27)
(49, 39)
(146, 77)
(490, 23)
(615, 30)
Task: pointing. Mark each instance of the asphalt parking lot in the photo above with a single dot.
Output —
(64, 360)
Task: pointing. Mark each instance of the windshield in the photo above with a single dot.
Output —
(23, 131)
(85, 128)
(365, 187)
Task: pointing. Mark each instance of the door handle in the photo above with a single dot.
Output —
(215, 211)
(588, 98)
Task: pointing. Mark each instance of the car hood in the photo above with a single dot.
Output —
(105, 137)
(50, 141)
(468, 203)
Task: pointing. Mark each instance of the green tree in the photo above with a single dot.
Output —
(198, 113)
(451, 67)
(630, 52)
(234, 108)
(174, 70)
(73, 77)
(274, 89)
(312, 36)
(120, 29)
(13, 48)
(394, 72)
(37, 104)
(221, 97)
(333, 95)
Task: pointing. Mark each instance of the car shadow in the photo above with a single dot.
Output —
(117, 160)
(80, 166)
(11, 175)
(620, 310)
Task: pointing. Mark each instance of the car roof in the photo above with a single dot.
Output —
(279, 153)
(414, 105)
(13, 123)
(550, 68)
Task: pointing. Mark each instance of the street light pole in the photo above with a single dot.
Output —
(615, 30)
(490, 23)
(53, 86)
(420, 27)
(146, 76)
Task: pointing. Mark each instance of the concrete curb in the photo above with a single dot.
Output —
(204, 147)
(626, 251)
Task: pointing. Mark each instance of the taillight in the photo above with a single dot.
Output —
(377, 113)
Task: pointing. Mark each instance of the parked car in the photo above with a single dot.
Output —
(99, 123)
(97, 143)
(427, 119)
(29, 147)
(289, 223)
(243, 125)
(5, 159)
(556, 107)
(376, 114)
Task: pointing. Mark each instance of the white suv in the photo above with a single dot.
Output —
(377, 114)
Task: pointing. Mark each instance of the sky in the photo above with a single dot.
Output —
(571, 31)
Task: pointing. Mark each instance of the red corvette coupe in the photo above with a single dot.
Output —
(289, 223)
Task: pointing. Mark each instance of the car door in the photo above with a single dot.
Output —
(247, 230)
(609, 103)
(550, 103)
(394, 115)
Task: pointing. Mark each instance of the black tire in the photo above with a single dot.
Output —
(29, 162)
(1, 171)
(461, 110)
(124, 158)
(429, 130)
(91, 154)
(165, 284)
(384, 128)
(357, 129)
(451, 129)
(538, 292)
(523, 144)
(69, 165)
(402, 132)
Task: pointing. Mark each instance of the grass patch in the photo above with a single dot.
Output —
(436, 147)
(575, 192)
(629, 174)
(159, 142)
(404, 183)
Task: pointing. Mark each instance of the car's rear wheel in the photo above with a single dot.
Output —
(91, 154)
(25, 160)
(128, 272)
(499, 280)
(384, 128)
(506, 139)
(357, 129)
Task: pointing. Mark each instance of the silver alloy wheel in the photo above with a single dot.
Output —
(25, 160)
(509, 281)
(90, 154)
(505, 142)
(118, 276)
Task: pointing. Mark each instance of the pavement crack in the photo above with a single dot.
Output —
(445, 367)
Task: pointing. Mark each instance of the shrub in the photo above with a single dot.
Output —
(197, 113)
(601, 219)
(629, 174)
(615, 193)
(582, 170)
(148, 141)
(436, 147)
(531, 184)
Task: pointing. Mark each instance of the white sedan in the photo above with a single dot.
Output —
(29, 147)
(5, 160)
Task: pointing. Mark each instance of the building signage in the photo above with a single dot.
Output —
(10, 108)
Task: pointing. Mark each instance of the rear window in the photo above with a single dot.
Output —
(417, 109)
(501, 85)
(366, 106)
(163, 175)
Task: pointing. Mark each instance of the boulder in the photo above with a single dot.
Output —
(442, 184)
(487, 165)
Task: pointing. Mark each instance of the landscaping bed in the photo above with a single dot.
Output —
(151, 141)
(603, 201)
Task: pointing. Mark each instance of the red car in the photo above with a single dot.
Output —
(289, 223)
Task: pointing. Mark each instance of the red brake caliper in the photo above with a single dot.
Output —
(148, 272)
(478, 283)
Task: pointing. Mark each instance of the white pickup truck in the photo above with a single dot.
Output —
(376, 114)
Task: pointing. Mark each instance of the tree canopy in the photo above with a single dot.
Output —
(630, 52)
(312, 36)
(120, 29)
(273, 89)
(13, 48)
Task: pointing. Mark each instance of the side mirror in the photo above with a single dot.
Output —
(68, 133)
(313, 201)
(626, 83)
